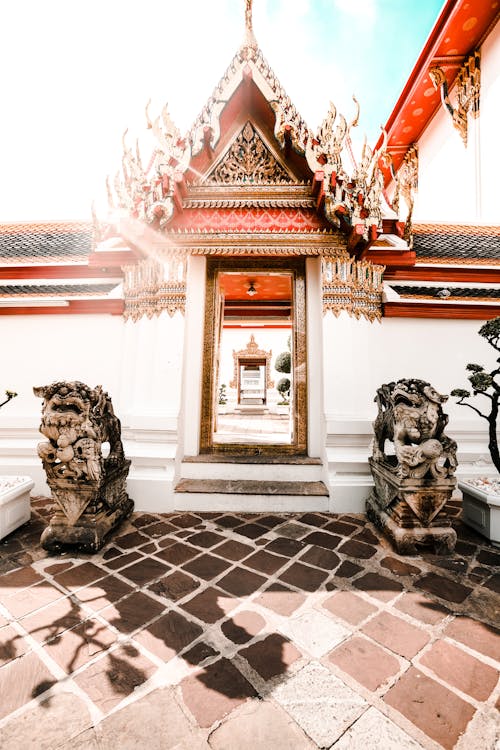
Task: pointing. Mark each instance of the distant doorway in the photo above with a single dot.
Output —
(255, 321)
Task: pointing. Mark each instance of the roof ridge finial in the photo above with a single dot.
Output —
(249, 40)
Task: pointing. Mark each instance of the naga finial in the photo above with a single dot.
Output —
(250, 41)
(248, 15)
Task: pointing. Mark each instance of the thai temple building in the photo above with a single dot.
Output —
(253, 283)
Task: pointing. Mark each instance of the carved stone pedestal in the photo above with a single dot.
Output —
(105, 504)
(85, 466)
(411, 511)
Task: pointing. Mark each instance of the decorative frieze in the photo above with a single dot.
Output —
(152, 286)
(468, 90)
(353, 286)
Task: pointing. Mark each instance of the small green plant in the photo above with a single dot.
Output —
(222, 394)
(486, 384)
(283, 388)
(10, 395)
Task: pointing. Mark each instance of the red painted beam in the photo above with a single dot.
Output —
(58, 272)
(446, 311)
(391, 258)
(75, 307)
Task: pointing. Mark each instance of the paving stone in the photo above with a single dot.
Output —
(476, 635)
(133, 539)
(205, 539)
(286, 547)
(156, 722)
(212, 693)
(265, 562)
(320, 557)
(320, 703)
(228, 522)
(76, 647)
(143, 519)
(185, 520)
(167, 541)
(243, 626)
(396, 634)
(314, 632)
(434, 709)
(157, 530)
(199, 653)
(30, 599)
(398, 567)
(421, 608)
(211, 605)
(144, 571)
(241, 582)
(272, 656)
(12, 644)
(304, 577)
(80, 575)
(443, 587)
(169, 635)
(106, 591)
(347, 569)
(341, 527)
(178, 553)
(130, 613)
(174, 586)
(63, 716)
(488, 557)
(350, 607)
(369, 664)
(206, 566)
(22, 680)
(270, 522)
(359, 550)
(292, 530)
(313, 519)
(111, 679)
(12, 583)
(260, 725)
(493, 583)
(57, 568)
(378, 586)
(117, 562)
(281, 599)
(459, 669)
(322, 539)
(233, 550)
(374, 731)
(366, 535)
(251, 530)
(53, 620)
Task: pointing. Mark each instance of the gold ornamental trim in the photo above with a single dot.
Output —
(251, 352)
(353, 286)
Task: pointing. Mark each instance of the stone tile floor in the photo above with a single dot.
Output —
(237, 631)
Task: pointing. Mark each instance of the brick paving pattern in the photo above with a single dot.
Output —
(227, 630)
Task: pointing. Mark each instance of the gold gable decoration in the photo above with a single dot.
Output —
(353, 286)
(152, 286)
(251, 352)
(249, 161)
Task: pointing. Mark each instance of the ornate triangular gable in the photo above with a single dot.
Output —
(249, 161)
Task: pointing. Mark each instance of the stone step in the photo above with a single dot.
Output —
(252, 468)
(251, 487)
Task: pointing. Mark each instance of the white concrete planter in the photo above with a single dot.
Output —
(15, 504)
(481, 507)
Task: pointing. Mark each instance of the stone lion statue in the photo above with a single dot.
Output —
(410, 415)
(77, 420)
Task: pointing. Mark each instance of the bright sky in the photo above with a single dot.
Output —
(76, 73)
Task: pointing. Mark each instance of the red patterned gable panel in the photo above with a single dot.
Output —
(249, 220)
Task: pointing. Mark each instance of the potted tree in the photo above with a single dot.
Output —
(283, 364)
(15, 506)
(481, 496)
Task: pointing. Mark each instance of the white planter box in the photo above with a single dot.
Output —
(481, 510)
(15, 503)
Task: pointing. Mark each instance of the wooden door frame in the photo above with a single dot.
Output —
(297, 269)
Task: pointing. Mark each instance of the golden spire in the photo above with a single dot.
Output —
(249, 40)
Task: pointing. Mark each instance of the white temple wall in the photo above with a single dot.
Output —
(457, 183)
(360, 356)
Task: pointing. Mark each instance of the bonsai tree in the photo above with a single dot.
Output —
(283, 388)
(486, 384)
(222, 394)
(283, 363)
(10, 395)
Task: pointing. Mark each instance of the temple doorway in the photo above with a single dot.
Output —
(254, 384)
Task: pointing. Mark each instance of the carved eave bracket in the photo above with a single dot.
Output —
(352, 286)
(154, 286)
(468, 91)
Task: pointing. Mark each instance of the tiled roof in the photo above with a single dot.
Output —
(455, 292)
(45, 242)
(461, 243)
(55, 290)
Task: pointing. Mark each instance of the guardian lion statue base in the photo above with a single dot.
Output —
(414, 482)
(88, 484)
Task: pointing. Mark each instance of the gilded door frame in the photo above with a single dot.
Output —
(296, 267)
